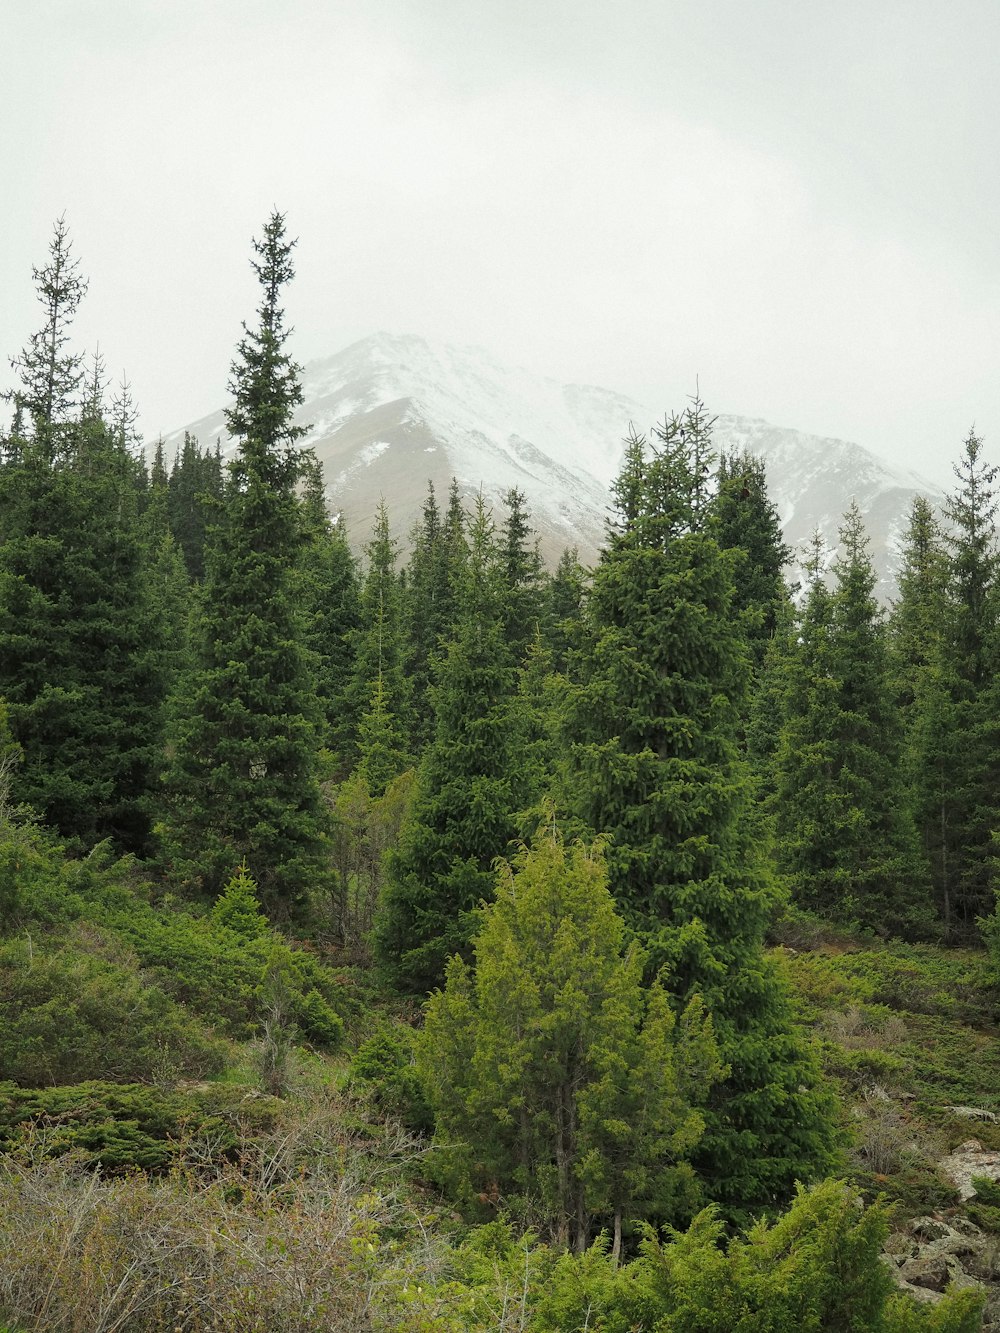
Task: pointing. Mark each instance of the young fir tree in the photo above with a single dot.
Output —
(242, 784)
(846, 839)
(653, 764)
(567, 1083)
(471, 786)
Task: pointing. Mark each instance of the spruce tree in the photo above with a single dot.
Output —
(381, 689)
(242, 785)
(562, 608)
(653, 764)
(747, 522)
(51, 376)
(972, 655)
(332, 607)
(925, 689)
(80, 644)
(430, 606)
(846, 839)
(470, 786)
(194, 497)
(521, 569)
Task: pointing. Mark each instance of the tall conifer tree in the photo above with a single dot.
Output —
(846, 838)
(471, 785)
(242, 786)
(654, 765)
(80, 651)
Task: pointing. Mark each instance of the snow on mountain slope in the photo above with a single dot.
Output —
(391, 413)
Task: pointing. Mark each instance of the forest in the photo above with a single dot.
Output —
(437, 941)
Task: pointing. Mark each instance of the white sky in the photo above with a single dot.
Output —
(795, 201)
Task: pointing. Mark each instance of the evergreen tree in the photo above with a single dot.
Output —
(242, 785)
(51, 375)
(80, 645)
(194, 498)
(564, 1081)
(562, 609)
(381, 689)
(430, 605)
(846, 838)
(653, 764)
(747, 522)
(971, 712)
(521, 568)
(471, 786)
(925, 687)
(333, 613)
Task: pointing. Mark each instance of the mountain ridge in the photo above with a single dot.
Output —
(392, 412)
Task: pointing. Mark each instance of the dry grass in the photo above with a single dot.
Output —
(291, 1240)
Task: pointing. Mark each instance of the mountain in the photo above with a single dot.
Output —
(391, 413)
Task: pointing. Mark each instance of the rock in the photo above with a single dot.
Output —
(974, 1113)
(969, 1159)
(929, 1229)
(899, 1246)
(928, 1271)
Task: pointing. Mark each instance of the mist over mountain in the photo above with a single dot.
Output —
(391, 413)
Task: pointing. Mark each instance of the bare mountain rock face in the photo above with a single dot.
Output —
(391, 413)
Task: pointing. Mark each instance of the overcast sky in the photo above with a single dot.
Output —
(795, 202)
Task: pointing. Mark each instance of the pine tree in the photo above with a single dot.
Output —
(653, 763)
(471, 786)
(242, 785)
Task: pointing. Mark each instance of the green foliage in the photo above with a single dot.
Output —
(80, 637)
(70, 1016)
(194, 498)
(845, 835)
(747, 523)
(816, 1267)
(432, 584)
(385, 1065)
(124, 1126)
(237, 909)
(653, 762)
(364, 829)
(561, 1079)
(470, 787)
(380, 688)
(242, 783)
(212, 965)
